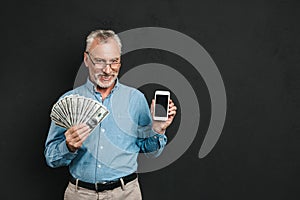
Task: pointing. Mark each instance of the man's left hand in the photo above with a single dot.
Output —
(161, 126)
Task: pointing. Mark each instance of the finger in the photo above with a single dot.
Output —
(171, 105)
(79, 138)
(172, 109)
(69, 131)
(152, 106)
(172, 113)
(76, 145)
(80, 127)
(170, 119)
(85, 136)
(79, 143)
(72, 130)
(69, 135)
(75, 133)
(73, 139)
(82, 135)
(84, 129)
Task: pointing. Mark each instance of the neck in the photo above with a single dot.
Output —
(105, 91)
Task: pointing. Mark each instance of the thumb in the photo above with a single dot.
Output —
(152, 107)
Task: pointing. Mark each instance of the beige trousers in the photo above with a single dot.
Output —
(131, 191)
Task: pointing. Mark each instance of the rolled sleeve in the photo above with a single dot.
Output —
(56, 152)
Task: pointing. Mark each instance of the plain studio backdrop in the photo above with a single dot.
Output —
(255, 45)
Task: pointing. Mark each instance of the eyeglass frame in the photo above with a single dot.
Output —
(103, 63)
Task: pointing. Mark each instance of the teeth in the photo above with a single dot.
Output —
(105, 77)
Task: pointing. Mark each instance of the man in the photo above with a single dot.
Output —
(102, 163)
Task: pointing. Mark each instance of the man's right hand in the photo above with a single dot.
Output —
(76, 135)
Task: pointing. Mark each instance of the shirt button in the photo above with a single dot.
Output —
(101, 147)
(155, 137)
(103, 130)
(99, 166)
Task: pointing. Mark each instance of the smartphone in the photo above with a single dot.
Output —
(161, 106)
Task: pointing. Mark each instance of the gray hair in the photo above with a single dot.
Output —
(103, 35)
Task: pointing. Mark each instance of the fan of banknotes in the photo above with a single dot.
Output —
(75, 109)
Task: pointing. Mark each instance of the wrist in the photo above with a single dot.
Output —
(159, 130)
(70, 148)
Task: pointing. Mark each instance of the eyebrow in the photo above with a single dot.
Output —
(116, 58)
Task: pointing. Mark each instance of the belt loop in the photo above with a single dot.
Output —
(76, 186)
(122, 184)
(96, 187)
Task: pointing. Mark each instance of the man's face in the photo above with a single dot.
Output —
(103, 52)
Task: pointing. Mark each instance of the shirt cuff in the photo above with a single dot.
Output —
(161, 138)
(65, 151)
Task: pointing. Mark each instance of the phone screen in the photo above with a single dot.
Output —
(161, 105)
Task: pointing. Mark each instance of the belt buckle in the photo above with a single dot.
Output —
(99, 189)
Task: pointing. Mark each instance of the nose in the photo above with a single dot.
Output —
(107, 69)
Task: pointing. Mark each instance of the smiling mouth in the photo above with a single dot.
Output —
(106, 77)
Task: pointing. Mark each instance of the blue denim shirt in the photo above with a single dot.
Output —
(111, 149)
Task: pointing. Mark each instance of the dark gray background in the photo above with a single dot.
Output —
(255, 45)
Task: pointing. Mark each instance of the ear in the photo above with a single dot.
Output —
(85, 59)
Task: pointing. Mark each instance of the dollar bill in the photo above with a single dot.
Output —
(75, 109)
(98, 117)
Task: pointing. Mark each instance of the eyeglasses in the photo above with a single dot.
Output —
(101, 63)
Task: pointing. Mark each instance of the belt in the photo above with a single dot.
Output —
(99, 187)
